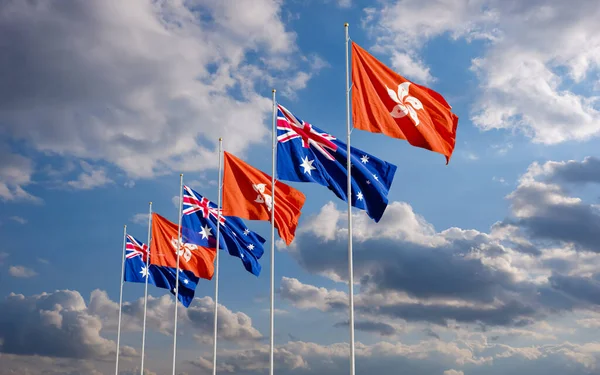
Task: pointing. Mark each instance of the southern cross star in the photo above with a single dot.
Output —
(307, 165)
(205, 232)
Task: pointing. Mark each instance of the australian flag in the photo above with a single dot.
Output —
(161, 277)
(200, 215)
(307, 154)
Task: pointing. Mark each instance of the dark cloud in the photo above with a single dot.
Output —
(431, 333)
(380, 328)
(462, 275)
(586, 289)
(575, 172)
(56, 325)
(547, 214)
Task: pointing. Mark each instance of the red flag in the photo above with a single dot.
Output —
(247, 194)
(192, 257)
(385, 102)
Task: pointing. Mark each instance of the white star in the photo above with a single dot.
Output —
(364, 159)
(307, 165)
(186, 281)
(242, 255)
(368, 182)
(246, 232)
(359, 196)
(375, 177)
(205, 232)
(144, 271)
(250, 247)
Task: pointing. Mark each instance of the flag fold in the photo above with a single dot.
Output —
(305, 153)
(201, 215)
(247, 195)
(385, 102)
(161, 277)
(193, 255)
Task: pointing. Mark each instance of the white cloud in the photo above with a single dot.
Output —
(90, 178)
(21, 272)
(18, 219)
(453, 372)
(196, 319)
(15, 174)
(122, 102)
(528, 46)
(141, 218)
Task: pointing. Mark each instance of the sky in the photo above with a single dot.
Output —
(484, 266)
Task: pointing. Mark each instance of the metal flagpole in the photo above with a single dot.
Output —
(121, 298)
(177, 272)
(146, 289)
(349, 193)
(274, 139)
(220, 186)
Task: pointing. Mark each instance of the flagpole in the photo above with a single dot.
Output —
(349, 194)
(177, 272)
(121, 298)
(220, 186)
(272, 313)
(146, 288)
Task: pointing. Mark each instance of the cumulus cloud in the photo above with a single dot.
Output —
(535, 263)
(197, 319)
(122, 102)
(545, 211)
(533, 52)
(44, 332)
(52, 324)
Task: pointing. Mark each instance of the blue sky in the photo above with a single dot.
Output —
(486, 264)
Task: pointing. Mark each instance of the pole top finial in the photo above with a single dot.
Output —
(220, 139)
(125, 226)
(273, 90)
(150, 202)
(181, 175)
(346, 24)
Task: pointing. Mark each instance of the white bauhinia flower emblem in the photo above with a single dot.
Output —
(407, 105)
(186, 248)
(262, 197)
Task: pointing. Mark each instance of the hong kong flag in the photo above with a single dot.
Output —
(385, 102)
(247, 194)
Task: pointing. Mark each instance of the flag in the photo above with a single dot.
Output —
(193, 256)
(161, 277)
(385, 102)
(247, 194)
(200, 215)
(307, 154)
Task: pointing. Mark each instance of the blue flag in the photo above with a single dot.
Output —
(200, 215)
(307, 154)
(161, 277)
